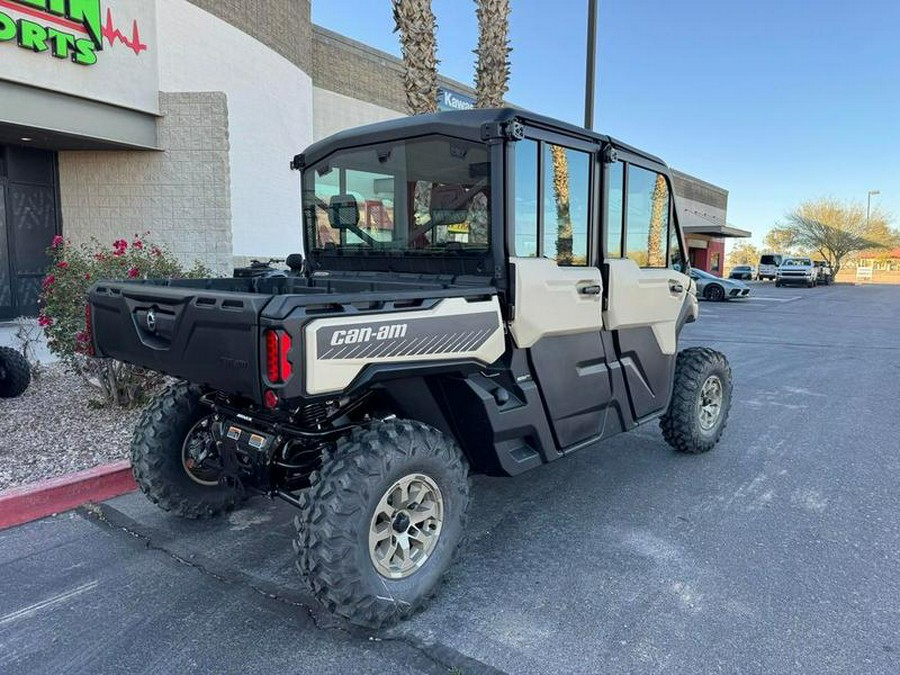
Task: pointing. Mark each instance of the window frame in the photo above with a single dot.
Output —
(542, 138)
(630, 159)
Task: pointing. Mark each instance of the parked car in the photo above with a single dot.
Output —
(748, 272)
(711, 287)
(797, 271)
(826, 274)
(768, 265)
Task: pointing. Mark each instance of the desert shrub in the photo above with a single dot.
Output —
(72, 272)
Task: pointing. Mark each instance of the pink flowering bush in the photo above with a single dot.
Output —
(64, 291)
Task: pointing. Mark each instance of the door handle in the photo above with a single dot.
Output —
(676, 286)
(590, 290)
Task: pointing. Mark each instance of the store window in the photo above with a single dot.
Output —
(566, 205)
(647, 220)
(614, 204)
(526, 201)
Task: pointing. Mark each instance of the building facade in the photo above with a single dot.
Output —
(173, 117)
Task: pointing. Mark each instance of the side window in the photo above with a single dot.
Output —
(615, 201)
(676, 255)
(526, 206)
(647, 220)
(566, 205)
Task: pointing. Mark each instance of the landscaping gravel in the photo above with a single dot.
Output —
(52, 429)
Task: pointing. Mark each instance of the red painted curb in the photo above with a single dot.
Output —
(36, 500)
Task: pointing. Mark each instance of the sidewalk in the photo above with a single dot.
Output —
(8, 339)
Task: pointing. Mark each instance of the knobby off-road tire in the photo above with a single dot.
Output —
(15, 373)
(157, 460)
(688, 425)
(339, 510)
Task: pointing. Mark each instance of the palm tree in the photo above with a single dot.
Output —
(492, 64)
(659, 209)
(561, 194)
(415, 22)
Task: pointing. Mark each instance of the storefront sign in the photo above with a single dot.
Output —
(452, 100)
(112, 39)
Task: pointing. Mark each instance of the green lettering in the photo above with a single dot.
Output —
(7, 28)
(85, 52)
(57, 7)
(32, 36)
(87, 13)
(63, 43)
(40, 4)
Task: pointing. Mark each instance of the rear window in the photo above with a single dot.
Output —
(770, 260)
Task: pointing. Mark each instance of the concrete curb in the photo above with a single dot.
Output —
(36, 500)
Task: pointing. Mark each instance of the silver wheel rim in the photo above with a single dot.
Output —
(197, 447)
(406, 526)
(709, 405)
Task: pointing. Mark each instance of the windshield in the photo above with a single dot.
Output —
(703, 275)
(422, 195)
(769, 260)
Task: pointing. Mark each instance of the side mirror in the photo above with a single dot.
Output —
(343, 212)
(295, 262)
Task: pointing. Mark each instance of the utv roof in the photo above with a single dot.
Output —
(460, 123)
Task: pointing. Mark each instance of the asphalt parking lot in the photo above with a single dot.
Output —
(775, 553)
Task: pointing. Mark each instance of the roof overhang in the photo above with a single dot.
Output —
(717, 231)
(56, 121)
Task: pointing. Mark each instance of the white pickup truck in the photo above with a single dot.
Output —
(797, 271)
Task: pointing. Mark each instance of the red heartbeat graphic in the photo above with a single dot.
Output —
(111, 33)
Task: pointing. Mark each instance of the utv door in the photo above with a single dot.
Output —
(557, 314)
(647, 296)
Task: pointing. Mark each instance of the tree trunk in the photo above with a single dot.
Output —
(658, 212)
(415, 22)
(492, 63)
(561, 194)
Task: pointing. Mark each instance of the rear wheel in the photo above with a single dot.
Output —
(382, 520)
(15, 373)
(173, 456)
(714, 292)
(701, 400)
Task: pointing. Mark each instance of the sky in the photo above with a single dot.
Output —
(778, 102)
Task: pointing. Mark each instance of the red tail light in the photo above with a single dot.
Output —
(283, 364)
(278, 345)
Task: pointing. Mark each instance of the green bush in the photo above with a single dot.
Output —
(73, 270)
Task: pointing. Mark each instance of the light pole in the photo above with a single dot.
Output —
(869, 204)
(590, 65)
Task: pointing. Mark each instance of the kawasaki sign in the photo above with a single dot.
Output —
(66, 29)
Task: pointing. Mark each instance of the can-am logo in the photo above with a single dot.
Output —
(67, 29)
(355, 336)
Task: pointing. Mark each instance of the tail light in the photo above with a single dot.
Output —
(278, 346)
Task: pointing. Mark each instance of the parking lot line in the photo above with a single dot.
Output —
(771, 299)
(44, 604)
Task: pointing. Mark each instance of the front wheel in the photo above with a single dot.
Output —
(701, 400)
(715, 293)
(173, 456)
(381, 522)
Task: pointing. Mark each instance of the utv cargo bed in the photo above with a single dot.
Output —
(208, 331)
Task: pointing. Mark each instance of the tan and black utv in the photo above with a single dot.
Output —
(482, 291)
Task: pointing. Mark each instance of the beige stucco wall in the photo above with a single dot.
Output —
(181, 195)
(333, 112)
